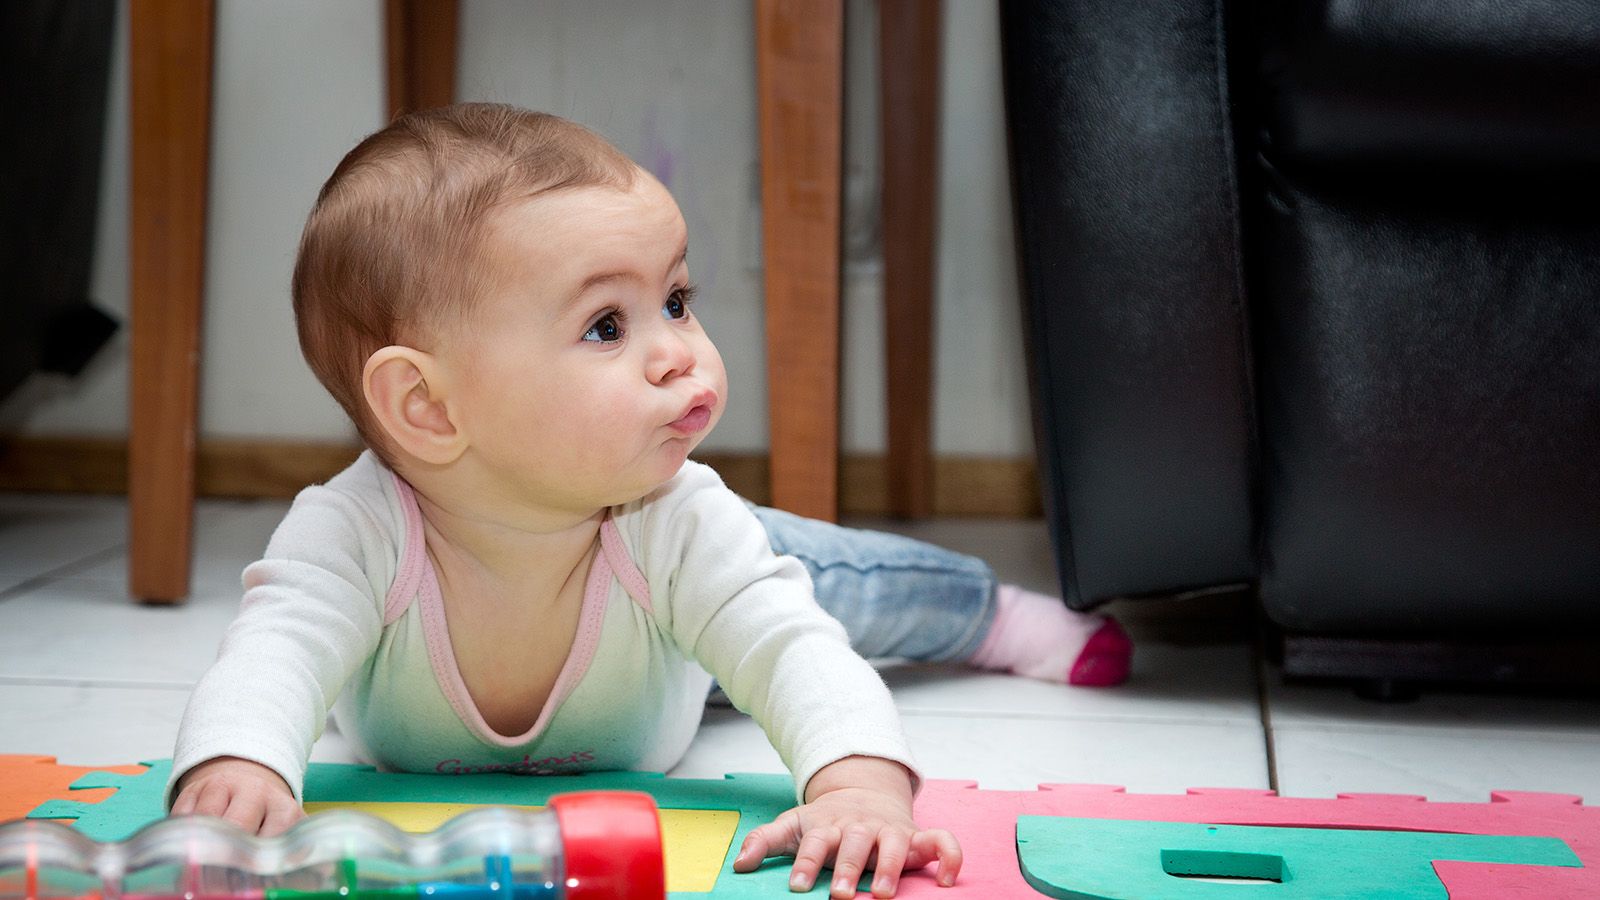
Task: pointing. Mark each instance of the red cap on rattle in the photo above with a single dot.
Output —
(612, 844)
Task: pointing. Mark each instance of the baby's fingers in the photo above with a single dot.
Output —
(780, 837)
(936, 844)
(816, 847)
(248, 811)
(206, 798)
(184, 804)
(855, 847)
(893, 848)
(282, 812)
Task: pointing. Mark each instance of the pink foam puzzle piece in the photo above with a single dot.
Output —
(1479, 881)
(985, 823)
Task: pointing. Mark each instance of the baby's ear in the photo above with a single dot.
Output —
(407, 393)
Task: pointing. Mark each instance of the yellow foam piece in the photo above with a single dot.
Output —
(412, 817)
(694, 842)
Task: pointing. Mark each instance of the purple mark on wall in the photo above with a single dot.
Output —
(658, 156)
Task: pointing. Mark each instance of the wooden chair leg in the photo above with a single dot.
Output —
(908, 39)
(170, 53)
(420, 45)
(800, 96)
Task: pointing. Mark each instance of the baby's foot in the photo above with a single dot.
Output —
(1038, 636)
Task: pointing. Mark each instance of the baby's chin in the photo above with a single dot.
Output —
(656, 471)
(674, 453)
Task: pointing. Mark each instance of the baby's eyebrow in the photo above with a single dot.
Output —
(600, 278)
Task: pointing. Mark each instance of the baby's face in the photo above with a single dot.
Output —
(585, 379)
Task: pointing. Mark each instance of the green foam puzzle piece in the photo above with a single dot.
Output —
(757, 799)
(136, 803)
(1112, 859)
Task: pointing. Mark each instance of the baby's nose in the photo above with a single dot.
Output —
(671, 356)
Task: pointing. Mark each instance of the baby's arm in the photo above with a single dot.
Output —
(749, 617)
(857, 816)
(311, 613)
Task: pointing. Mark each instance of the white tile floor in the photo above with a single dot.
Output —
(92, 678)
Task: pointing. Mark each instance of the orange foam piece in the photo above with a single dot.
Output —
(27, 781)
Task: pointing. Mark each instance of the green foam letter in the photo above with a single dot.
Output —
(1115, 859)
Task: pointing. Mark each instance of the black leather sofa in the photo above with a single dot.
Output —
(1313, 301)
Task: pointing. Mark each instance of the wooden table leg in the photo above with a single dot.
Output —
(420, 50)
(908, 40)
(800, 97)
(170, 51)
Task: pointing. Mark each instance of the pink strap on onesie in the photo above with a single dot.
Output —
(416, 578)
(413, 556)
(622, 564)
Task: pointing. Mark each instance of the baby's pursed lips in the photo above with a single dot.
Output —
(697, 415)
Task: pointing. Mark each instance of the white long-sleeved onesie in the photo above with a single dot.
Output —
(345, 606)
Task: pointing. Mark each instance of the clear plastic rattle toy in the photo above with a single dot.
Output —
(585, 846)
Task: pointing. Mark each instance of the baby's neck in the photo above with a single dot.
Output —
(492, 549)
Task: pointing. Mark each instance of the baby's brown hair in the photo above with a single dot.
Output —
(392, 247)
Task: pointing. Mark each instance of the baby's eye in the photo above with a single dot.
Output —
(677, 305)
(606, 330)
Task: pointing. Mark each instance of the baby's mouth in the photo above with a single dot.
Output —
(693, 421)
(698, 414)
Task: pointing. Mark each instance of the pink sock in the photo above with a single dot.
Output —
(1040, 637)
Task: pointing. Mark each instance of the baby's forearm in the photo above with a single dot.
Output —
(873, 773)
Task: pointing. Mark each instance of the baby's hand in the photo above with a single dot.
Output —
(245, 793)
(858, 817)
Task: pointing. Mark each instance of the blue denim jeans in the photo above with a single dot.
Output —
(896, 596)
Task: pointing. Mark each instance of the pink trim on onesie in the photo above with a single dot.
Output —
(413, 556)
(416, 567)
(448, 673)
(622, 564)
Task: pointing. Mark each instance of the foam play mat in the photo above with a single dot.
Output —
(1072, 841)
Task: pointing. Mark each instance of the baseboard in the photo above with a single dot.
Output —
(1554, 660)
(963, 486)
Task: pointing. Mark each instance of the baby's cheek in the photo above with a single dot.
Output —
(713, 372)
(617, 415)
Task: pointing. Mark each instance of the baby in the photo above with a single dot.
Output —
(524, 572)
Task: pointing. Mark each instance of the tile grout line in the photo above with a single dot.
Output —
(62, 571)
(1265, 706)
(1424, 729)
(959, 713)
(56, 681)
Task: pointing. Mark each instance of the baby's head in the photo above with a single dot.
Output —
(488, 287)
